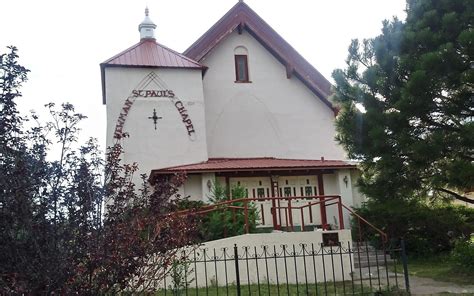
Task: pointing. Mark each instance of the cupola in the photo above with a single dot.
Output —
(147, 27)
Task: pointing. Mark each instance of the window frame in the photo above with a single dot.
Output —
(236, 58)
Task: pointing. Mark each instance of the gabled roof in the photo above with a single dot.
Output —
(241, 17)
(148, 53)
(254, 164)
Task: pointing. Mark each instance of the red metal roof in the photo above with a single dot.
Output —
(254, 164)
(240, 17)
(149, 53)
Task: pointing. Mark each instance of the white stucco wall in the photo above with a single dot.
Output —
(357, 196)
(208, 179)
(272, 116)
(345, 188)
(192, 187)
(295, 268)
(170, 144)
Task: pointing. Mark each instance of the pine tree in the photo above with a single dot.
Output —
(407, 103)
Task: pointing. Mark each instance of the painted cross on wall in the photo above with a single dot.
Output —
(155, 118)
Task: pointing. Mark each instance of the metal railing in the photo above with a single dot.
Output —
(360, 219)
(320, 201)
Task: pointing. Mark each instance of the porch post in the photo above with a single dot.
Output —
(274, 185)
(341, 217)
(322, 205)
(290, 213)
(227, 186)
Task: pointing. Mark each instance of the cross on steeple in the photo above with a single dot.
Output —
(155, 118)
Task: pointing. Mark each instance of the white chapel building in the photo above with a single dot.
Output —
(240, 107)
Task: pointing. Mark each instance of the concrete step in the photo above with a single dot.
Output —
(357, 245)
(371, 261)
(368, 256)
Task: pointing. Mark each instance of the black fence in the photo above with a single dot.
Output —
(303, 269)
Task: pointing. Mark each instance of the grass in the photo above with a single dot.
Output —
(439, 268)
(282, 289)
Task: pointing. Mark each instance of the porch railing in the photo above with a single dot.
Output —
(288, 210)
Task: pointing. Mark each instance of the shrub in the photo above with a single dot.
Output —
(426, 229)
(463, 254)
(226, 222)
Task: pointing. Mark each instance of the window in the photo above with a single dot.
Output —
(261, 192)
(241, 68)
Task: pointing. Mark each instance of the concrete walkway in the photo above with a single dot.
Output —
(418, 285)
(427, 286)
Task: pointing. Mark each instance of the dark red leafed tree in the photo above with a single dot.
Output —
(61, 229)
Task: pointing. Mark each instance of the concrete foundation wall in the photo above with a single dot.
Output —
(258, 264)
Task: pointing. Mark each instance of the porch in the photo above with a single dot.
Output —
(286, 192)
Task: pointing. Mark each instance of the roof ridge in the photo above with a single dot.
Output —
(284, 43)
(239, 158)
(242, 14)
(215, 25)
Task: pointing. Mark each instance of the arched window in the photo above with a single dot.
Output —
(241, 64)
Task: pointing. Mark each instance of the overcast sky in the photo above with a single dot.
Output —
(63, 42)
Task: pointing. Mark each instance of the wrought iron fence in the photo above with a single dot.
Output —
(302, 269)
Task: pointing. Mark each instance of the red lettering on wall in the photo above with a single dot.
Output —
(188, 123)
(153, 93)
(123, 116)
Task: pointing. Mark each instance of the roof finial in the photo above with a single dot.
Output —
(147, 27)
(241, 1)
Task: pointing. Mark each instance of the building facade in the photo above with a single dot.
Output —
(240, 107)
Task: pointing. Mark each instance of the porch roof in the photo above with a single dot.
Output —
(254, 164)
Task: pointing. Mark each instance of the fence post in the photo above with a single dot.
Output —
(237, 271)
(405, 265)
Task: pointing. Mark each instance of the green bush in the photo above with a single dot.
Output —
(426, 229)
(223, 222)
(463, 254)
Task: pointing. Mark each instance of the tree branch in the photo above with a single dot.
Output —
(456, 195)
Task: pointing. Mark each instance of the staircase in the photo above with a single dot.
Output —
(366, 255)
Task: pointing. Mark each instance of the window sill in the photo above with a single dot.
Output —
(237, 81)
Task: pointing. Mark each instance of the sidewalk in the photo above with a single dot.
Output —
(427, 286)
(418, 285)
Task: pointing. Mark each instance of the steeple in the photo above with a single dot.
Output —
(147, 27)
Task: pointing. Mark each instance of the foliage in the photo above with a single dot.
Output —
(227, 222)
(415, 82)
(54, 235)
(181, 276)
(426, 229)
(463, 254)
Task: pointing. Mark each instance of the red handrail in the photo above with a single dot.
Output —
(322, 199)
(383, 234)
